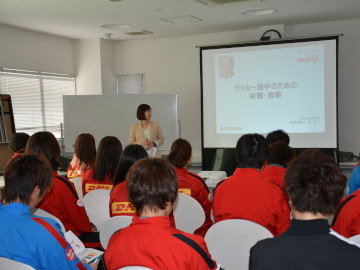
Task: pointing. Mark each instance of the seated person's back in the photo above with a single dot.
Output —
(84, 155)
(107, 159)
(347, 217)
(315, 186)
(249, 195)
(18, 143)
(62, 201)
(149, 240)
(279, 156)
(119, 204)
(189, 183)
(26, 238)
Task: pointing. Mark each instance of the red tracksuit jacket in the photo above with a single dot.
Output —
(347, 217)
(119, 204)
(152, 243)
(194, 186)
(249, 195)
(275, 173)
(63, 202)
(89, 183)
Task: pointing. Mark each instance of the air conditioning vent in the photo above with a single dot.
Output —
(212, 3)
(139, 33)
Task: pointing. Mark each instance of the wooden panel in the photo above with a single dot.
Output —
(9, 117)
(5, 155)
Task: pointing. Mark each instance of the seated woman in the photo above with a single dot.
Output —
(279, 157)
(150, 241)
(62, 201)
(189, 183)
(119, 202)
(347, 217)
(315, 185)
(18, 143)
(107, 159)
(29, 239)
(84, 155)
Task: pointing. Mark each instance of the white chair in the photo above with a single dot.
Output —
(6, 263)
(78, 186)
(355, 238)
(41, 213)
(111, 226)
(96, 205)
(188, 213)
(134, 268)
(229, 242)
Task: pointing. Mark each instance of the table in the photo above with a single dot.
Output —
(2, 187)
(212, 178)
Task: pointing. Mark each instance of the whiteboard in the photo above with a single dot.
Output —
(113, 115)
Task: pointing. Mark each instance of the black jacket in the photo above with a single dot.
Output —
(306, 245)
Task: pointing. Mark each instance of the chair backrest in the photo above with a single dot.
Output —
(188, 213)
(78, 186)
(13, 265)
(111, 226)
(96, 205)
(134, 268)
(355, 238)
(41, 213)
(229, 242)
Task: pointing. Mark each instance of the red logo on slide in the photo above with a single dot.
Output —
(70, 255)
(226, 66)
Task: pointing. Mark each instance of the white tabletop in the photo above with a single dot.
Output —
(2, 182)
(212, 177)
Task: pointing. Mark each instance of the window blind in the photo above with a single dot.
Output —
(37, 99)
(130, 84)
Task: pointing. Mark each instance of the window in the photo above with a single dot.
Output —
(130, 84)
(37, 99)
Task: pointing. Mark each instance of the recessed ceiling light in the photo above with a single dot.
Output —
(158, 10)
(257, 12)
(115, 26)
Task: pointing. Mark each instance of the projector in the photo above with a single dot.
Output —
(212, 177)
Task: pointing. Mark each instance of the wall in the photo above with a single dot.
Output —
(87, 63)
(172, 65)
(94, 67)
(108, 77)
(21, 49)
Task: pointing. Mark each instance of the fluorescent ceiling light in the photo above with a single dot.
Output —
(257, 12)
(115, 26)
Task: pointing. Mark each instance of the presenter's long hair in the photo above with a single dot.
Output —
(107, 158)
(180, 153)
(129, 156)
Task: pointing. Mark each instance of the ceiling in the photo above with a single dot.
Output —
(80, 19)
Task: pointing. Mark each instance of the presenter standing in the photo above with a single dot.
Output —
(146, 133)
